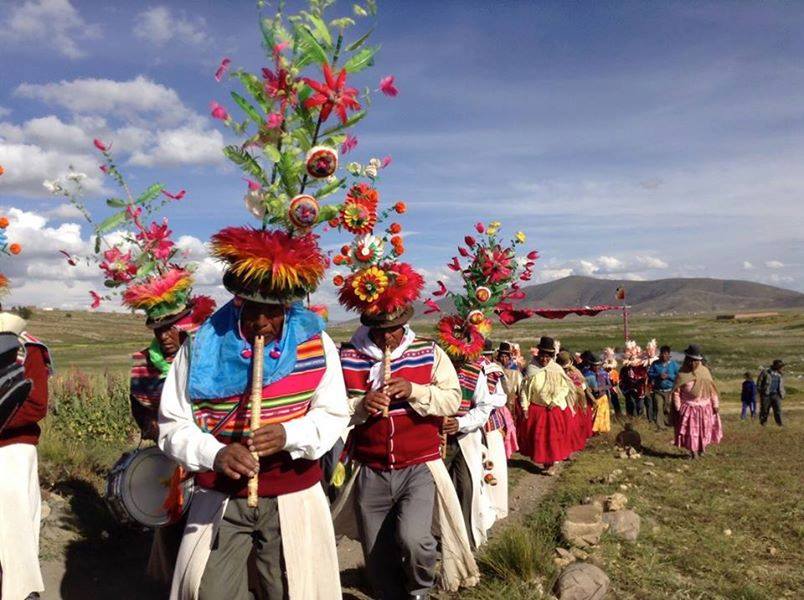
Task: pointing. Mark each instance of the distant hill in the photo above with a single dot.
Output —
(661, 296)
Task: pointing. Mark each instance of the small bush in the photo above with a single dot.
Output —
(26, 312)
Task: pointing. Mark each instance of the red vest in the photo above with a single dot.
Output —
(404, 438)
(284, 400)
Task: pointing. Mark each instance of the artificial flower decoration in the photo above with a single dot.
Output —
(161, 295)
(322, 161)
(303, 212)
(367, 250)
(489, 286)
(118, 266)
(358, 215)
(369, 284)
(332, 94)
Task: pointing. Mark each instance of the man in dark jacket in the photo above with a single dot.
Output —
(770, 385)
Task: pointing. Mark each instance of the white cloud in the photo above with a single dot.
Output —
(650, 262)
(184, 145)
(136, 97)
(27, 165)
(747, 265)
(49, 132)
(4, 112)
(63, 212)
(53, 23)
(774, 264)
(159, 25)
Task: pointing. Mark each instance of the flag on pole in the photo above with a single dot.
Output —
(620, 293)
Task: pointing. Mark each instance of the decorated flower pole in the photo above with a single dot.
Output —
(8, 249)
(491, 279)
(297, 112)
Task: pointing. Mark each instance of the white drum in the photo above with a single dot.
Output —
(138, 487)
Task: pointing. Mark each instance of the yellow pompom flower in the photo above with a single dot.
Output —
(520, 237)
(370, 284)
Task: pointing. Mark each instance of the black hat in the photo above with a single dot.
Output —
(387, 320)
(505, 347)
(488, 347)
(777, 364)
(591, 358)
(694, 352)
(547, 345)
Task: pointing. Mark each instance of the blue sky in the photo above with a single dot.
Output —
(627, 139)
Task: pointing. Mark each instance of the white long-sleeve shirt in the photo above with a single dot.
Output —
(308, 437)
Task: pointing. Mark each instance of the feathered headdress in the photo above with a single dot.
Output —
(609, 360)
(380, 287)
(490, 285)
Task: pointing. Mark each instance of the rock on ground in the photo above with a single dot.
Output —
(582, 581)
(623, 524)
(616, 501)
(583, 525)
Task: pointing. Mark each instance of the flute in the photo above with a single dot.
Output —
(256, 414)
(386, 373)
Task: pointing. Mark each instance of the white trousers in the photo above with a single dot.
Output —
(20, 511)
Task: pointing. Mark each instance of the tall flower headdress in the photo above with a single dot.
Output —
(139, 260)
(297, 113)
(491, 279)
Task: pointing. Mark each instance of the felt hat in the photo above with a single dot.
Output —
(383, 320)
(505, 347)
(694, 352)
(546, 345)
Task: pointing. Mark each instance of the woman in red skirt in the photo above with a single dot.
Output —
(544, 437)
(580, 425)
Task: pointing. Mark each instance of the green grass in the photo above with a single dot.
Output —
(750, 484)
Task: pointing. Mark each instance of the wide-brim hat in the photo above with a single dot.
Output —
(198, 309)
(505, 347)
(546, 345)
(11, 323)
(694, 352)
(387, 320)
(564, 358)
(488, 347)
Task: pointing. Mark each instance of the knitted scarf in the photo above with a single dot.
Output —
(704, 385)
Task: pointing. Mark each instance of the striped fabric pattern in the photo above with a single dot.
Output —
(146, 380)
(419, 356)
(496, 421)
(283, 400)
(467, 377)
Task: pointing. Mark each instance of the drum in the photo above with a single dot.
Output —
(138, 487)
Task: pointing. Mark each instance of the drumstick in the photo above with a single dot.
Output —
(386, 373)
(256, 414)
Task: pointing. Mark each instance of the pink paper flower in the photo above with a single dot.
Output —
(118, 266)
(442, 289)
(463, 252)
(387, 86)
(278, 48)
(274, 121)
(100, 145)
(385, 162)
(70, 260)
(104, 169)
(222, 68)
(349, 144)
(218, 111)
(533, 255)
(470, 241)
(454, 264)
(96, 299)
(177, 196)
(480, 228)
(252, 185)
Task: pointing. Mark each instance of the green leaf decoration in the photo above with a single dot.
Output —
(311, 49)
(288, 174)
(116, 202)
(97, 243)
(146, 268)
(248, 108)
(150, 194)
(329, 189)
(109, 224)
(267, 27)
(245, 161)
(355, 118)
(321, 29)
(364, 58)
(272, 152)
(355, 45)
(253, 85)
(327, 212)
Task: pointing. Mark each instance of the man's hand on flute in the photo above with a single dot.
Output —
(235, 461)
(376, 401)
(398, 388)
(267, 440)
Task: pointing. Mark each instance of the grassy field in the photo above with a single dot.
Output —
(727, 526)
(101, 341)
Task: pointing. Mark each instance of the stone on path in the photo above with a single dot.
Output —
(623, 524)
(582, 581)
(583, 525)
(616, 501)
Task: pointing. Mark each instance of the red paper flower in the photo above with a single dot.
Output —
(400, 208)
(459, 339)
(118, 266)
(332, 94)
(157, 240)
(218, 111)
(349, 144)
(442, 289)
(279, 86)
(177, 196)
(432, 307)
(533, 255)
(495, 264)
(222, 68)
(96, 299)
(470, 241)
(480, 228)
(394, 228)
(100, 145)
(454, 265)
(463, 252)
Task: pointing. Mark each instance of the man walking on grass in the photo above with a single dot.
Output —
(771, 392)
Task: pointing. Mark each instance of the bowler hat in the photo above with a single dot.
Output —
(387, 320)
(547, 345)
(694, 352)
(505, 347)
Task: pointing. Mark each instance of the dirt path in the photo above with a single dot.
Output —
(86, 555)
